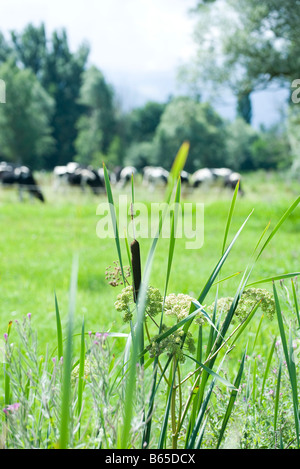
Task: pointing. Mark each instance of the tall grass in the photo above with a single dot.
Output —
(183, 380)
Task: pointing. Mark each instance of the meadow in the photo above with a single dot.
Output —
(39, 241)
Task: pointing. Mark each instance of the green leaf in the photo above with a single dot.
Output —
(281, 221)
(213, 373)
(231, 400)
(67, 364)
(81, 369)
(274, 278)
(58, 330)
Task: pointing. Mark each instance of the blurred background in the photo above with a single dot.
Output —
(126, 82)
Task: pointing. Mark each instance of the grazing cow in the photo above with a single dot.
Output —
(202, 176)
(77, 176)
(11, 174)
(207, 176)
(221, 173)
(125, 175)
(155, 175)
(231, 181)
(185, 177)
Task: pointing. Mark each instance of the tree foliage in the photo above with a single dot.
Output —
(97, 124)
(196, 122)
(59, 108)
(246, 45)
(59, 72)
(25, 132)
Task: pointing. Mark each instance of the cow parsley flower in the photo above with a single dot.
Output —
(247, 302)
(125, 303)
(172, 344)
(250, 298)
(223, 305)
(179, 306)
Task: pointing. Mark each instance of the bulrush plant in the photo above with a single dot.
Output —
(183, 380)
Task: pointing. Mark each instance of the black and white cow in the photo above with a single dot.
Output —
(22, 177)
(125, 175)
(154, 176)
(231, 181)
(202, 176)
(207, 176)
(75, 175)
(185, 177)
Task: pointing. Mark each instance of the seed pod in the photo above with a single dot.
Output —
(136, 267)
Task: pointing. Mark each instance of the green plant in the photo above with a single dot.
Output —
(187, 377)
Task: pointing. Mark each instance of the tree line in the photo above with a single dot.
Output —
(59, 108)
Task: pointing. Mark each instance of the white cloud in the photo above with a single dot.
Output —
(128, 38)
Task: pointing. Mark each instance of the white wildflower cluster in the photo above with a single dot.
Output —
(172, 344)
(249, 299)
(223, 305)
(179, 306)
(124, 303)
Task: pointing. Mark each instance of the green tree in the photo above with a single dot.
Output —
(293, 126)
(239, 144)
(97, 125)
(246, 45)
(141, 154)
(186, 119)
(60, 73)
(271, 150)
(30, 47)
(143, 121)
(5, 49)
(63, 79)
(25, 132)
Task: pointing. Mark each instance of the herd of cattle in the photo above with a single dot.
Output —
(75, 175)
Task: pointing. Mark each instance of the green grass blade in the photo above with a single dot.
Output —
(220, 263)
(113, 218)
(67, 364)
(295, 301)
(281, 326)
(274, 278)
(288, 353)
(276, 403)
(58, 330)
(141, 303)
(213, 373)
(7, 390)
(177, 167)
(163, 432)
(281, 221)
(231, 400)
(269, 360)
(81, 369)
(230, 215)
(173, 234)
(197, 421)
(257, 332)
(201, 414)
(293, 380)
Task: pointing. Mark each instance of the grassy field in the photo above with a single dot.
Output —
(38, 241)
(38, 244)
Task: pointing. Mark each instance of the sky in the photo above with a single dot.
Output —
(137, 44)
